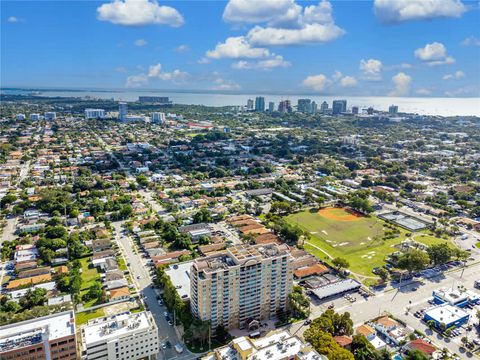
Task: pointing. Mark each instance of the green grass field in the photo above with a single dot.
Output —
(89, 276)
(83, 317)
(359, 241)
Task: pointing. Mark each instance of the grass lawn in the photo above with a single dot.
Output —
(477, 245)
(89, 276)
(121, 263)
(358, 240)
(82, 317)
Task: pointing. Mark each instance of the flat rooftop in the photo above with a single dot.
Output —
(113, 327)
(446, 313)
(180, 277)
(34, 331)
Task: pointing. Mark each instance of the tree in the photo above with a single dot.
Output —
(362, 349)
(415, 355)
(94, 292)
(383, 273)
(439, 253)
(202, 216)
(324, 343)
(33, 298)
(340, 263)
(334, 323)
(413, 260)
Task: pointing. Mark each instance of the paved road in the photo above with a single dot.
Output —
(138, 268)
(396, 302)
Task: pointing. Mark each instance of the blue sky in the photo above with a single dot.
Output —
(381, 47)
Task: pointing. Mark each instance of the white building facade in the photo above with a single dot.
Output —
(124, 336)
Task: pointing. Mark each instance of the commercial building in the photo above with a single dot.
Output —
(355, 110)
(123, 336)
(50, 115)
(456, 297)
(304, 106)
(339, 106)
(242, 285)
(271, 106)
(259, 103)
(50, 337)
(278, 345)
(446, 316)
(324, 107)
(122, 111)
(94, 114)
(20, 117)
(285, 106)
(35, 117)
(158, 117)
(393, 110)
(249, 104)
(154, 99)
(314, 107)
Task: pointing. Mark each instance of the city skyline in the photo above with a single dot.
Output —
(328, 48)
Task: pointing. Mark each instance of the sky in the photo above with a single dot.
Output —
(368, 48)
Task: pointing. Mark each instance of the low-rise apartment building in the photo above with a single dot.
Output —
(121, 337)
(51, 337)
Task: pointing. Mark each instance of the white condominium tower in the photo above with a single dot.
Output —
(242, 284)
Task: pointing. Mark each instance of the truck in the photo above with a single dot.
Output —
(476, 284)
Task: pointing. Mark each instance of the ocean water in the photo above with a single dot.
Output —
(418, 105)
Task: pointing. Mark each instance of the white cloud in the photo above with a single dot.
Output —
(423, 91)
(155, 72)
(237, 48)
(471, 41)
(395, 11)
(272, 12)
(348, 81)
(284, 22)
(182, 48)
(139, 12)
(268, 64)
(204, 60)
(121, 69)
(456, 75)
(140, 42)
(402, 84)
(225, 84)
(135, 81)
(372, 69)
(337, 75)
(434, 54)
(316, 82)
(307, 34)
(13, 19)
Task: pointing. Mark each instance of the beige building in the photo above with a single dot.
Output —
(241, 285)
(278, 345)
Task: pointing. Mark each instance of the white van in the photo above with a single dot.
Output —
(179, 348)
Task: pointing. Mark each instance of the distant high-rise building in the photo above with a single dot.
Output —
(249, 104)
(94, 114)
(355, 110)
(158, 117)
(47, 337)
(122, 111)
(324, 107)
(154, 99)
(271, 106)
(370, 111)
(241, 284)
(339, 106)
(259, 103)
(122, 336)
(314, 107)
(50, 115)
(304, 106)
(393, 110)
(20, 117)
(35, 117)
(285, 106)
